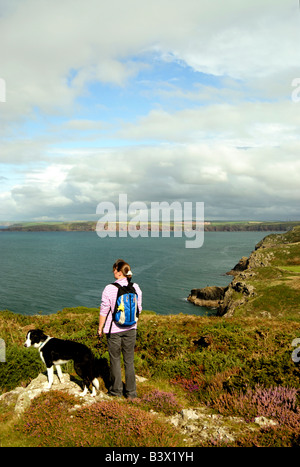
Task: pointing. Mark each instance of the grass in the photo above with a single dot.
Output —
(291, 268)
(188, 360)
(236, 367)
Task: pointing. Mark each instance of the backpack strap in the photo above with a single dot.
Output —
(128, 288)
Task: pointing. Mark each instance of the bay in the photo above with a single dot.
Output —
(44, 272)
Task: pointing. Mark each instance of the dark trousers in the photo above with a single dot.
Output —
(122, 342)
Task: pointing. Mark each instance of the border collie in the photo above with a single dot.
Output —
(57, 351)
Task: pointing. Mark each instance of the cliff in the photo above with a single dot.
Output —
(265, 284)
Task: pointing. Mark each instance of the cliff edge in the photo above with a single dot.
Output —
(266, 284)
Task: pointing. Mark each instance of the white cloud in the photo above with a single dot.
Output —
(226, 178)
(248, 124)
(232, 142)
(45, 41)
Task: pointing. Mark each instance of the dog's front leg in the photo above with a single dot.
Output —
(50, 377)
(59, 373)
(84, 392)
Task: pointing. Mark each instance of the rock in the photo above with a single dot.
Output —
(240, 266)
(22, 397)
(39, 385)
(9, 397)
(200, 424)
(189, 414)
(223, 298)
(209, 297)
(140, 379)
(243, 288)
(265, 422)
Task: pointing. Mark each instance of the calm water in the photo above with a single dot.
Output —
(47, 271)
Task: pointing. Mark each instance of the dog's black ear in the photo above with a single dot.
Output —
(37, 335)
(41, 334)
(29, 332)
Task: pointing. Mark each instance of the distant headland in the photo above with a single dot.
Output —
(86, 226)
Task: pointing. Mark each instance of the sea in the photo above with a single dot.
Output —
(45, 272)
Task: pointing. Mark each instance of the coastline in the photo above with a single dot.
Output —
(209, 226)
(266, 284)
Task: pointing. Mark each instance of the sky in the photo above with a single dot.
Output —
(161, 100)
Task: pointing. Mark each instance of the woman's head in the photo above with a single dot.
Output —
(120, 266)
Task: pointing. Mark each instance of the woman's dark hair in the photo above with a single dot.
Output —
(121, 265)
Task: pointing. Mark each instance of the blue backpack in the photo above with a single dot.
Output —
(126, 310)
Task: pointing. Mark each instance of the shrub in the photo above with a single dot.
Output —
(192, 383)
(272, 370)
(115, 424)
(21, 366)
(160, 401)
(110, 424)
(279, 403)
(46, 418)
(266, 437)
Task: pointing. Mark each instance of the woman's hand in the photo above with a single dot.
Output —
(102, 320)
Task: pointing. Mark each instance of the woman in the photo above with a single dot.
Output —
(119, 339)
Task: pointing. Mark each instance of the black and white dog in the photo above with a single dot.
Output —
(57, 351)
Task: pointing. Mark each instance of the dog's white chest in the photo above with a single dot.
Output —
(60, 362)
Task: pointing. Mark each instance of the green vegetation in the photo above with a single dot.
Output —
(274, 274)
(251, 225)
(189, 361)
(238, 366)
(107, 424)
(52, 226)
(291, 268)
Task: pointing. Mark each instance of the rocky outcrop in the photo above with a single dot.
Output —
(210, 297)
(223, 299)
(238, 292)
(240, 266)
(202, 424)
(22, 397)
